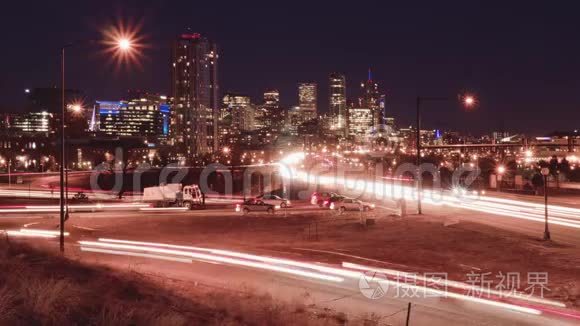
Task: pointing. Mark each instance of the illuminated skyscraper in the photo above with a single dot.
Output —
(370, 98)
(272, 99)
(360, 122)
(337, 100)
(272, 116)
(294, 120)
(307, 99)
(194, 89)
(141, 117)
(33, 122)
(241, 110)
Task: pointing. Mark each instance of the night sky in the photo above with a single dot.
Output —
(522, 60)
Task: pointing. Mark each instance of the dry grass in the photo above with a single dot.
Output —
(39, 288)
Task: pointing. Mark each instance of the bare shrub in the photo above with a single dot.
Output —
(170, 318)
(7, 306)
(42, 289)
(367, 320)
(113, 313)
(50, 300)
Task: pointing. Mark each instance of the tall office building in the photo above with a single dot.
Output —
(241, 110)
(272, 99)
(383, 106)
(370, 98)
(294, 120)
(307, 99)
(272, 115)
(142, 117)
(337, 100)
(194, 90)
(360, 122)
(32, 122)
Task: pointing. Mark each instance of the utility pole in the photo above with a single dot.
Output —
(418, 162)
(62, 155)
(545, 173)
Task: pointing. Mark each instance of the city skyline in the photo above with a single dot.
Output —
(517, 91)
(288, 163)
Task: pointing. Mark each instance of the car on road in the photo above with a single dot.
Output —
(80, 196)
(255, 205)
(274, 200)
(324, 199)
(351, 204)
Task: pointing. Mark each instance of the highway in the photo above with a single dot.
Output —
(562, 211)
(327, 285)
(333, 286)
(389, 192)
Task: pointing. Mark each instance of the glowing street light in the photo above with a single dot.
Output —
(468, 101)
(124, 44)
(8, 164)
(76, 108)
(498, 175)
(501, 169)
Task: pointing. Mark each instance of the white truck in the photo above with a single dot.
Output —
(174, 194)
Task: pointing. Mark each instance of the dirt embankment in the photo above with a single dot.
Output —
(41, 288)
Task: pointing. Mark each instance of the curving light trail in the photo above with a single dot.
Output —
(319, 272)
(381, 189)
(34, 233)
(209, 257)
(72, 208)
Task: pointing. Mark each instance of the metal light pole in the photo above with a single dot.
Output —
(63, 161)
(66, 211)
(418, 146)
(123, 44)
(62, 153)
(499, 176)
(418, 162)
(545, 173)
(467, 101)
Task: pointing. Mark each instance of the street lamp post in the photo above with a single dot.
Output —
(499, 176)
(63, 161)
(545, 173)
(418, 161)
(62, 150)
(467, 100)
(419, 174)
(124, 45)
(3, 162)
